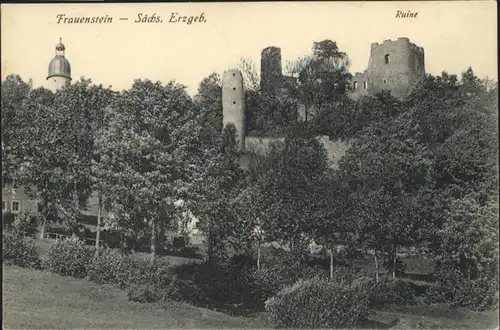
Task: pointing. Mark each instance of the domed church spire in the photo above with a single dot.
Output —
(60, 48)
(59, 69)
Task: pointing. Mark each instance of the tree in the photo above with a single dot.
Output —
(469, 238)
(54, 145)
(214, 197)
(209, 105)
(144, 152)
(343, 120)
(46, 153)
(269, 114)
(386, 171)
(14, 93)
(286, 201)
(321, 78)
(332, 223)
(88, 102)
(85, 104)
(465, 171)
(251, 78)
(405, 170)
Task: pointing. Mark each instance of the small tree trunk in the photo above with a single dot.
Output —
(394, 263)
(75, 196)
(331, 262)
(210, 248)
(258, 255)
(44, 213)
(98, 230)
(42, 228)
(122, 243)
(376, 265)
(153, 240)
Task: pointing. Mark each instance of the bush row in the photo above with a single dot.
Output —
(237, 282)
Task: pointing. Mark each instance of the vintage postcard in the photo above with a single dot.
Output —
(250, 165)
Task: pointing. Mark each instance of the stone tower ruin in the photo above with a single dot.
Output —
(395, 66)
(270, 70)
(233, 103)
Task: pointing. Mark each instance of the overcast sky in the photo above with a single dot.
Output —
(453, 34)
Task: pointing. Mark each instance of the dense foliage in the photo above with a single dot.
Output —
(421, 174)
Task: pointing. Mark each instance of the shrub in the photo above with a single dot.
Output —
(453, 288)
(25, 222)
(69, 257)
(20, 251)
(105, 268)
(256, 286)
(205, 284)
(288, 268)
(154, 285)
(8, 220)
(320, 303)
(235, 282)
(108, 267)
(398, 292)
(264, 285)
(186, 290)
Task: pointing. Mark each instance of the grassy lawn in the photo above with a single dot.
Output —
(35, 299)
(438, 317)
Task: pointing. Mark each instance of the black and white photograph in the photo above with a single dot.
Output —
(250, 165)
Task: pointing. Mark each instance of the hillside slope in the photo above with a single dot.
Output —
(35, 299)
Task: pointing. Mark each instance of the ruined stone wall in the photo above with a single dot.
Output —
(417, 63)
(271, 77)
(233, 103)
(261, 145)
(359, 85)
(395, 66)
(335, 149)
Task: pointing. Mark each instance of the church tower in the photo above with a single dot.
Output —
(59, 69)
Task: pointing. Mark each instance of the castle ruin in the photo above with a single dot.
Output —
(394, 66)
